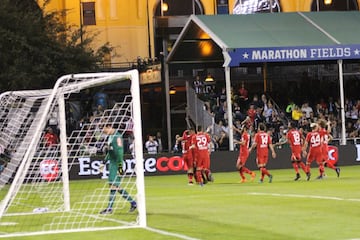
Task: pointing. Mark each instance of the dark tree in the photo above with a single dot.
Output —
(36, 47)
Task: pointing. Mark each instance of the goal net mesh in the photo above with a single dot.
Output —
(54, 185)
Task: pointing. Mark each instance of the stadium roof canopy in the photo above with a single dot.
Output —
(231, 40)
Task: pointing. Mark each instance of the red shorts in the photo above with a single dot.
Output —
(325, 152)
(315, 155)
(242, 158)
(296, 156)
(189, 159)
(203, 161)
(262, 160)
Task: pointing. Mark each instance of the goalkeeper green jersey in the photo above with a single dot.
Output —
(115, 149)
(115, 155)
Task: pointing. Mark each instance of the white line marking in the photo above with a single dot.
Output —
(305, 196)
(170, 234)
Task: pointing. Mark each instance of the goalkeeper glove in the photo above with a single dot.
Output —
(121, 170)
(101, 167)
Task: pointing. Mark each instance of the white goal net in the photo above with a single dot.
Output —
(53, 147)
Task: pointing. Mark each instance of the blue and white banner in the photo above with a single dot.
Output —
(291, 54)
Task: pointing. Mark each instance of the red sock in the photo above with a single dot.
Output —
(307, 168)
(199, 176)
(246, 170)
(330, 165)
(302, 165)
(321, 169)
(190, 176)
(264, 171)
(295, 166)
(241, 171)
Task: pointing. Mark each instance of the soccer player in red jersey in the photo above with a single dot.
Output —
(243, 153)
(326, 138)
(187, 152)
(200, 143)
(262, 143)
(314, 141)
(295, 139)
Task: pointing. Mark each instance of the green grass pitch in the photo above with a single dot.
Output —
(226, 209)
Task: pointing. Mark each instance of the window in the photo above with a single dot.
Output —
(88, 13)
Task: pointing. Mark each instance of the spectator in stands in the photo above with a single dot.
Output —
(354, 114)
(296, 115)
(159, 141)
(306, 110)
(99, 110)
(50, 137)
(198, 85)
(269, 112)
(243, 92)
(238, 115)
(220, 127)
(318, 110)
(251, 112)
(221, 98)
(356, 132)
(264, 102)
(259, 118)
(332, 106)
(101, 98)
(223, 141)
(151, 145)
(221, 113)
(349, 128)
(256, 102)
(177, 146)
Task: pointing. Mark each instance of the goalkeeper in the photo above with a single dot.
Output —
(115, 156)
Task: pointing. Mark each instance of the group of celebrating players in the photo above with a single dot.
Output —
(196, 154)
(313, 146)
(315, 142)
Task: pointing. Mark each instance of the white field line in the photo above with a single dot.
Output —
(305, 196)
(162, 232)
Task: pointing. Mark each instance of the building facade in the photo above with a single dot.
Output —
(133, 27)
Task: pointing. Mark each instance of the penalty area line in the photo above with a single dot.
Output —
(305, 196)
(162, 232)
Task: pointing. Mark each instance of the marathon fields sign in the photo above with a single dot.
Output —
(289, 54)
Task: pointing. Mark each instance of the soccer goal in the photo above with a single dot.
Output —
(42, 182)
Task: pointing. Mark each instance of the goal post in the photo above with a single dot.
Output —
(38, 193)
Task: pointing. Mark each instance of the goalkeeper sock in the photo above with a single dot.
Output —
(112, 198)
(125, 195)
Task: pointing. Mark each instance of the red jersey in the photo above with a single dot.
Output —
(315, 150)
(314, 140)
(324, 140)
(244, 148)
(294, 138)
(245, 138)
(262, 140)
(324, 135)
(50, 139)
(251, 113)
(201, 141)
(186, 141)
